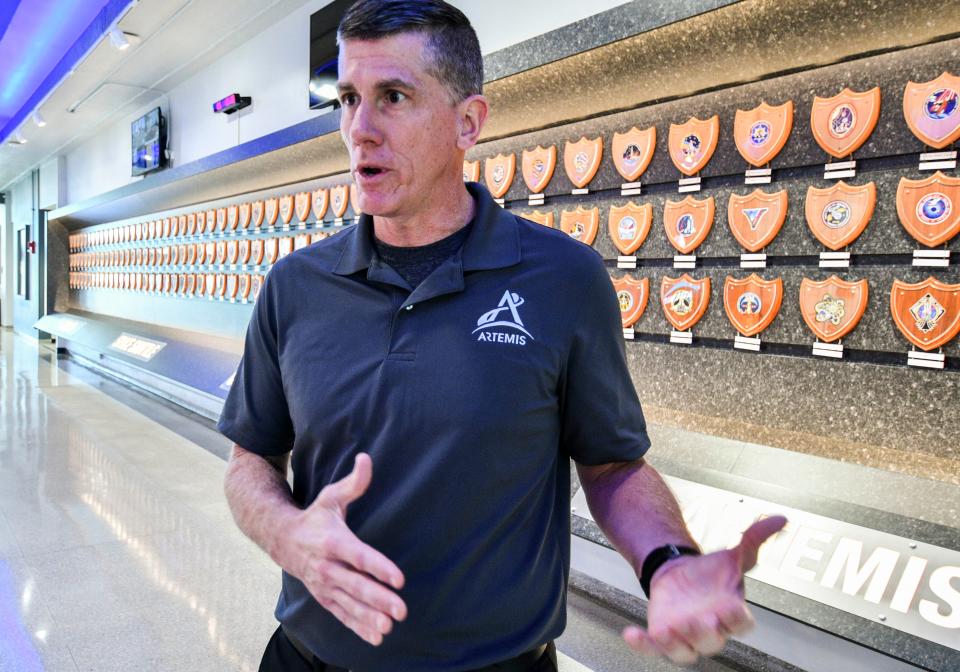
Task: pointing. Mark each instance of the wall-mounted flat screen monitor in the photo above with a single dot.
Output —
(148, 142)
(323, 54)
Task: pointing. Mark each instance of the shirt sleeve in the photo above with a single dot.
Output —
(255, 415)
(601, 418)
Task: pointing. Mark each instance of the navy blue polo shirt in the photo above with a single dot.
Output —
(469, 392)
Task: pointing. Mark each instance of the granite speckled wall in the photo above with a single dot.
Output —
(875, 410)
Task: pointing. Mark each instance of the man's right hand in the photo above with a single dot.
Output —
(346, 576)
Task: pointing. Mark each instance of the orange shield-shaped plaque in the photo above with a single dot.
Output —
(339, 199)
(545, 218)
(471, 171)
(684, 300)
(354, 200)
(756, 219)
(927, 313)
(843, 123)
(833, 307)
(233, 215)
(581, 159)
(243, 291)
(838, 215)
(498, 173)
(243, 213)
(232, 251)
(629, 225)
(932, 110)
(632, 151)
(321, 199)
(211, 220)
(581, 224)
(231, 291)
(271, 250)
(762, 132)
(693, 143)
(752, 303)
(929, 209)
(688, 222)
(256, 252)
(243, 252)
(257, 210)
(286, 208)
(537, 166)
(632, 295)
(301, 204)
(191, 223)
(271, 208)
(221, 219)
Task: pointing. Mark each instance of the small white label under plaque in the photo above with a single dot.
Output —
(931, 258)
(626, 262)
(681, 337)
(938, 160)
(630, 189)
(688, 184)
(834, 260)
(839, 170)
(757, 176)
(580, 192)
(926, 360)
(753, 261)
(535, 199)
(685, 261)
(834, 350)
(744, 343)
(628, 333)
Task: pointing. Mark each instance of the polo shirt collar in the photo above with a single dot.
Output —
(493, 241)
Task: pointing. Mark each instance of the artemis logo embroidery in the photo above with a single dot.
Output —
(492, 320)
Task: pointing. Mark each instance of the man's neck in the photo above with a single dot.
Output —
(444, 217)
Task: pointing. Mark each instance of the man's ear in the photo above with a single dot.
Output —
(472, 114)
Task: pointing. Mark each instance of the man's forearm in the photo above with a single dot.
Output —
(260, 499)
(634, 508)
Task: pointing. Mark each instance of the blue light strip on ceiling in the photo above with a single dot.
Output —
(7, 10)
(113, 10)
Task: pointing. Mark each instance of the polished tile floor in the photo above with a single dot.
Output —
(117, 551)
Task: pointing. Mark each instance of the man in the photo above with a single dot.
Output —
(466, 354)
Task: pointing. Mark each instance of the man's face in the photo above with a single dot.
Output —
(398, 124)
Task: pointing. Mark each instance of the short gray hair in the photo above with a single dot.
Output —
(451, 41)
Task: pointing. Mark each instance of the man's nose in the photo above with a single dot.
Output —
(363, 125)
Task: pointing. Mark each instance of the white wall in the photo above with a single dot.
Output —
(273, 69)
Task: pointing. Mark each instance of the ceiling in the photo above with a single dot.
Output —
(34, 37)
(173, 40)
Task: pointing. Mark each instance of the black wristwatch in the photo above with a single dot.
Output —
(656, 558)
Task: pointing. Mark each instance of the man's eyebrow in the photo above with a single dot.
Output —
(383, 85)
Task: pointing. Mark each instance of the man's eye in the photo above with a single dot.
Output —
(395, 97)
(348, 99)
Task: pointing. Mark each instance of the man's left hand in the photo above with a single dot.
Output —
(697, 602)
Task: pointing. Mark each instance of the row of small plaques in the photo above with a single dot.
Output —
(239, 217)
(840, 125)
(241, 287)
(929, 210)
(927, 313)
(243, 252)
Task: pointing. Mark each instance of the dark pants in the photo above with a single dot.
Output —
(281, 656)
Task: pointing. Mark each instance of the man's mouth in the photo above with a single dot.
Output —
(370, 171)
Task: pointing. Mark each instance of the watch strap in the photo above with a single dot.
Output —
(655, 560)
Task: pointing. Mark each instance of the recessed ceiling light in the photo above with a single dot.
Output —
(39, 120)
(17, 139)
